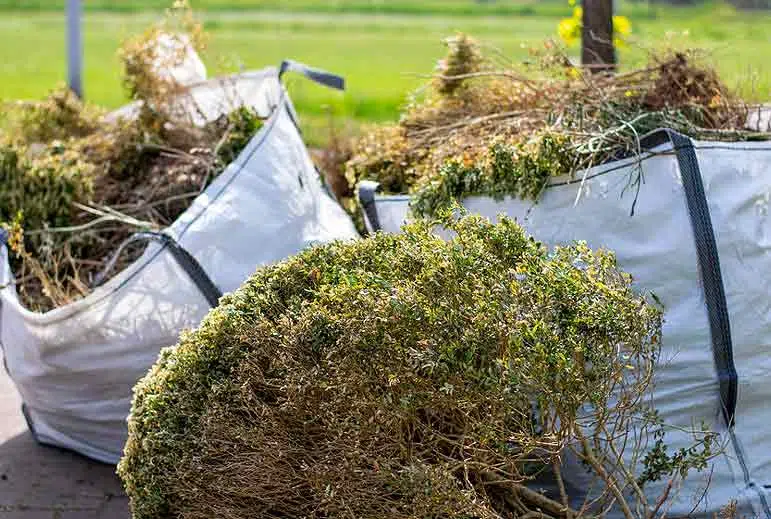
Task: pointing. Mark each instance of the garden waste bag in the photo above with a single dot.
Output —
(690, 221)
(75, 366)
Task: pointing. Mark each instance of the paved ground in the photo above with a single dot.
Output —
(39, 482)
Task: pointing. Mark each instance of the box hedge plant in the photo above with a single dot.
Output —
(403, 376)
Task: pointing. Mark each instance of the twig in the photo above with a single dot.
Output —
(561, 485)
(535, 515)
(609, 481)
(662, 499)
(704, 493)
(530, 83)
(173, 151)
(533, 497)
(117, 215)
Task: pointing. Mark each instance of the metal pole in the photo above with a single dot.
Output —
(74, 48)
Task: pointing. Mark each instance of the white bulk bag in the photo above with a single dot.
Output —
(206, 100)
(706, 254)
(75, 365)
(177, 60)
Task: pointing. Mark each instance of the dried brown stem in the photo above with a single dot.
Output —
(610, 481)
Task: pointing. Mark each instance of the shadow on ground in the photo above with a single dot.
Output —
(45, 482)
(38, 482)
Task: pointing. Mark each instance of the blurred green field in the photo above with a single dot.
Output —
(412, 7)
(382, 55)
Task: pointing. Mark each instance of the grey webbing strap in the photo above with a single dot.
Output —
(183, 258)
(366, 194)
(319, 76)
(712, 280)
(714, 293)
(709, 268)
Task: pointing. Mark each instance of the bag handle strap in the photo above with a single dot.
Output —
(366, 191)
(322, 77)
(183, 258)
(709, 265)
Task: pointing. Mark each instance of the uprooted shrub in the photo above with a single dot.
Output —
(406, 376)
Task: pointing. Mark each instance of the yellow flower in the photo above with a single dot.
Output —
(622, 28)
(569, 29)
(622, 25)
(571, 3)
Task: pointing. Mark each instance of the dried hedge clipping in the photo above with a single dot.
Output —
(406, 376)
(77, 183)
(486, 126)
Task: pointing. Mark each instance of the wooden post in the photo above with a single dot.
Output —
(74, 48)
(597, 51)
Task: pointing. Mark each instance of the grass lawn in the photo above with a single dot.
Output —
(382, 54)
(411, 7)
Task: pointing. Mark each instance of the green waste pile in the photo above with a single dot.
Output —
(486, 127)
(77, 183)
